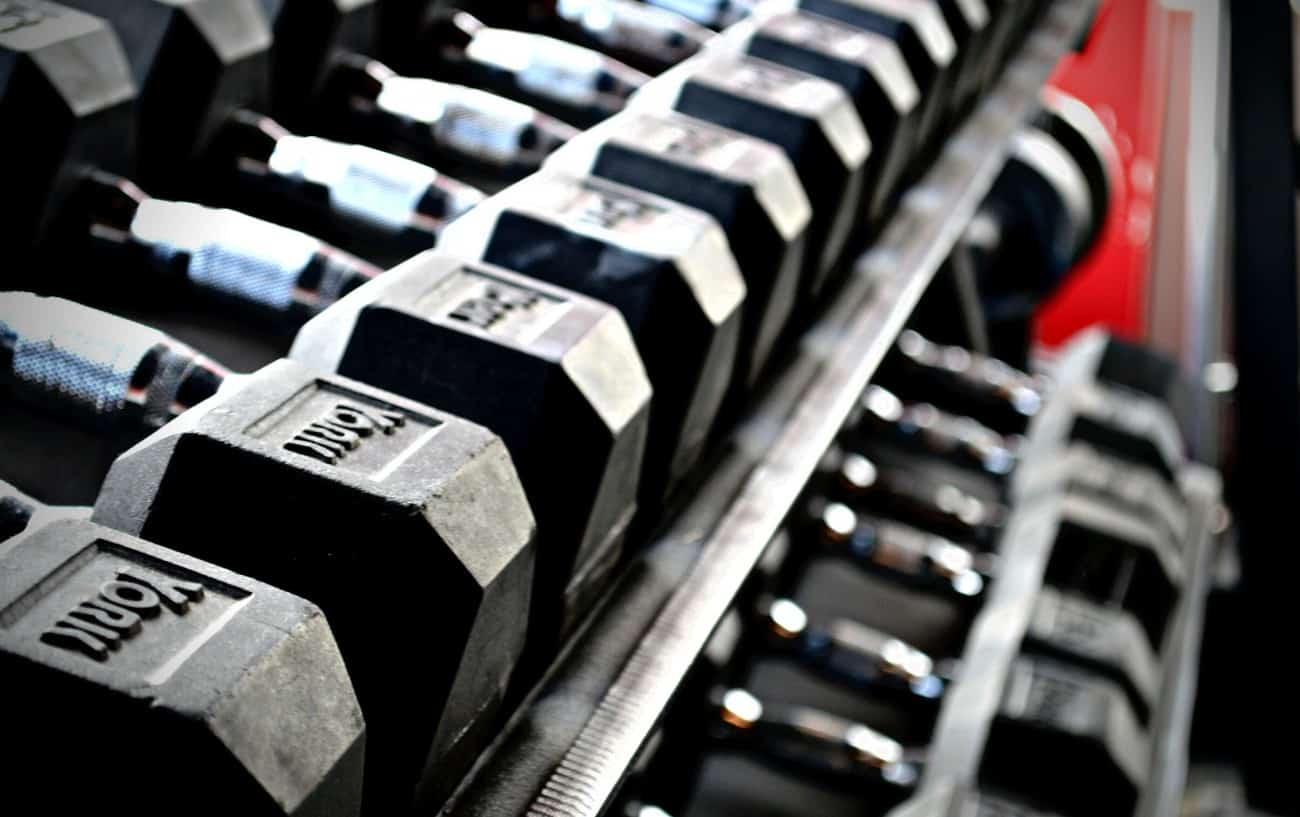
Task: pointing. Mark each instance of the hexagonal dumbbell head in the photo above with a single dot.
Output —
(971, 25)
(812, 119)
(1067, 739)
(221, 686)
(309, 35)
(1104, 639)
(555, 373)
(1137, 370)
(666, 267)
(921, 34)
(408, 526)
(871, 70)
(746, 184)
(1117, 559)
(194, 62)
(66, 91)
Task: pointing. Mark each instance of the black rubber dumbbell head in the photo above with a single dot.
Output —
(812, 119)
(666, 267)
(222, 687)
(407, 525)
(555, 373)
(749, 186)
(66, 92)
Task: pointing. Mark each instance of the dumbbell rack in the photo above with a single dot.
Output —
(574, 739)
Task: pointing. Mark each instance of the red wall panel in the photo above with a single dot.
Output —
(1120, 75)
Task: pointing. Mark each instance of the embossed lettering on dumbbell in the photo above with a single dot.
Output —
(419, 479)
(98, 625)
(493, 304)
(676, 140)
(14, 16)
(330, 438)
(610, 210)
(763, 79)
(489, 303)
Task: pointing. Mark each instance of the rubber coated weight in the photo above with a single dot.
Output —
(666, 267)
(970, 24)
(193, 63)
(812, 119)
(83, 108)
(871, 70)
(407, 525)
(746, 184)
(556, 374)
(919, 30)
(1067, 740)
(229, 693)
(430, 640)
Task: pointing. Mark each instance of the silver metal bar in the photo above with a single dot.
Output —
(732, 515)
(1163, 794)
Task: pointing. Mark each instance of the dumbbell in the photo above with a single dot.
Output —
(407, 525)
(921, 33)
(1112, 395)
(810, 118)
(922, 429)
(966, 510)
(646, 37)
(324, 80)
(749, 187)
(1125, 572)
(599, 402)
(666, 267)
(800, 603)
(578, 85)
(971, 24)
(1061, 737)
(848, 653)
(870, 68)
(200, 127)
(221, 686)
(69, 71)
(166, 251)
(881, 421)
(554, 373)
(857, 655)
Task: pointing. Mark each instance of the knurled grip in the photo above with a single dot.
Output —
(229, 253)
(473, 122)
(105, 370)
(542, 65)
(369, 185)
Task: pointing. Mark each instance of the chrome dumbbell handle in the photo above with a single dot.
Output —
(105, 370)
